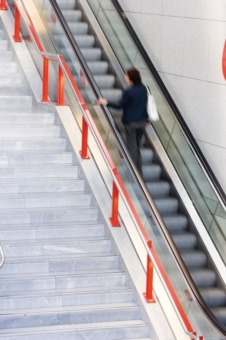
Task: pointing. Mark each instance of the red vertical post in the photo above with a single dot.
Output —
(60, 101)
(201, 337)
(115, 198)
(149, 279)
(45, 79)
(3, 6)
(16, 36)
(84, 150)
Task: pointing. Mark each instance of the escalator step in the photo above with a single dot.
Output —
(220, 314)
(147, 155)
(158, 189)
(96, 67)
(72, 15)
(103, 81)
(100, 67)
(214, 297)
(185, 241)
(77, 28)
(113, 95)
(167, 205)
(151, 172)
(67, 4)
(204, 278)
(92, 54)
(176, 223)
(85, 41)
(194, 259)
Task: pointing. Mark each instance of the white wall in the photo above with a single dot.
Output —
(185, 40)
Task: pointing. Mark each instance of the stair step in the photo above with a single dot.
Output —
(28, 158)
(3, 45)
(60, 248)
(50, 232)
(51, 201)
(29, 130)
(13, 90)
(24, 118)
(68, 317)
(23, 171)
(49, 310)
(45, 265)
(115, 330)
(6, 55)
(42, 299)
(8, 66)
(43, 216)
(38, 144)
(10, 79)
(64, 281)
(15, 101)
(42, 186)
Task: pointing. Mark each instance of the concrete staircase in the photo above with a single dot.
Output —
(61, 278)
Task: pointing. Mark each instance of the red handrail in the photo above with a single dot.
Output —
(117, 178)
(32, 29)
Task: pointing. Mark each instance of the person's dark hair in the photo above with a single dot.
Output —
(134, 76)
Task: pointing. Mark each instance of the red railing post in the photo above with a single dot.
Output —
(149, 279)
(3, 6)
(45, 79)
(115, 198)
(60, 101)
(84, 150)
(201, 337)
(16, 36)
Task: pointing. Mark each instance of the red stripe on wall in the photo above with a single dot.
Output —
(224, 61)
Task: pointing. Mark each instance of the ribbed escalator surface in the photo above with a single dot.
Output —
(154, 175)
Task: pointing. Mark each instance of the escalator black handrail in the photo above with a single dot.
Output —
(196, 149)
(140, 182)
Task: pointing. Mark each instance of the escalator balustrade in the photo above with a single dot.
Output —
(159, 185)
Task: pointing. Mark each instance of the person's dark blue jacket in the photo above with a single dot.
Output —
(133, 104)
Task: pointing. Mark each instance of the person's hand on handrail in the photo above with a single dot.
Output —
(102, 101)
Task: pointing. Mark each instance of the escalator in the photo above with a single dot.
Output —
(70, 18)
